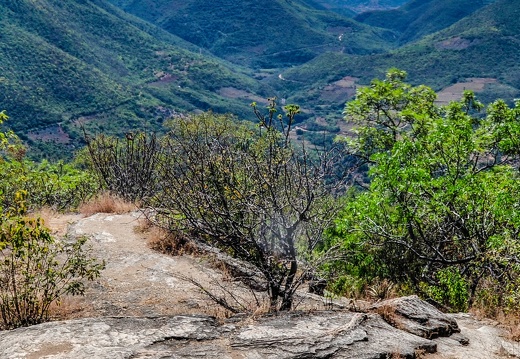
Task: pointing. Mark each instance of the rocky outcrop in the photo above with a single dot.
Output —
(416, 316)
(137, 300)
(327, 335)
(293, 335)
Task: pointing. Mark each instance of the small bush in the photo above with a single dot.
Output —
(126, 168)
(60, 186)
(35, 269)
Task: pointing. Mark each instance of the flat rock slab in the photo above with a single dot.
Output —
(101, 337)
(319, 335)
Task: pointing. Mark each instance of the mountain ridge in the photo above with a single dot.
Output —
(65, 60)
(483, 45)
(268, 34)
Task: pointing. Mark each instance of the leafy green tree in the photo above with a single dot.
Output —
(441, 213)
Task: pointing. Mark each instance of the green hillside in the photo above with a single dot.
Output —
(358, 6)
(262, 34)
(484, 45)
(419, 18)
(61, 61)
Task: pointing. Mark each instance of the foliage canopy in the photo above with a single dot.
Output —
(442, 210)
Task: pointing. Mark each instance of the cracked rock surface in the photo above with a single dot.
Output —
(295, 335)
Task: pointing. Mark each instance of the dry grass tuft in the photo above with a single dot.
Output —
(106, 203)
(70, 307)
(381, 290)
(389, 315)
(164, 241)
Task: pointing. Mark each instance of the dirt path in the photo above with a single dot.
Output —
(137, 280)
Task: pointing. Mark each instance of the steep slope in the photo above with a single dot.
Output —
(418, 18)
(267, 33)
(65, 60)
(483, 46)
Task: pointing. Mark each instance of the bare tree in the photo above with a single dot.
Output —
(125, 167)
(251, 192)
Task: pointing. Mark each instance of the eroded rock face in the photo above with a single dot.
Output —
(293, 335)
(327, 335)
(416, 316)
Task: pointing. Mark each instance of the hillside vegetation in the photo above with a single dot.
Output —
(481, 45)
(351, 7)
(91, 62)
(63, 61)
(265, 34)
(418, 18)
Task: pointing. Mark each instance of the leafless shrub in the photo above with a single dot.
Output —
(250, 193)
(126, 168)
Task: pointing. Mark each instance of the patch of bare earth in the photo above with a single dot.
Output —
(340, 90)
(50, 134)
(455, 43)
(137, 280)
(454, 92)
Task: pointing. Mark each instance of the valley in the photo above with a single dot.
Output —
(268, 179)
(127, 64)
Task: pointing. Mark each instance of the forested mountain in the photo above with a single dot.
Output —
(351, 7)
(262, 34)
(133, 64)
(418, 18)
(480, 52)
(65, 60)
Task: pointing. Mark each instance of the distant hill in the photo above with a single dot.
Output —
(353, 7)
(262, 34)
(419, 18)
(63, 61)
(482, 49)
(116, 68)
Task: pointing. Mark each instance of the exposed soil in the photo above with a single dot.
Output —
(454, 92)
(137, 280)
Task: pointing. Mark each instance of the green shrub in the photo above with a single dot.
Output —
(60, 185)
(452, 289)
(35, 269)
